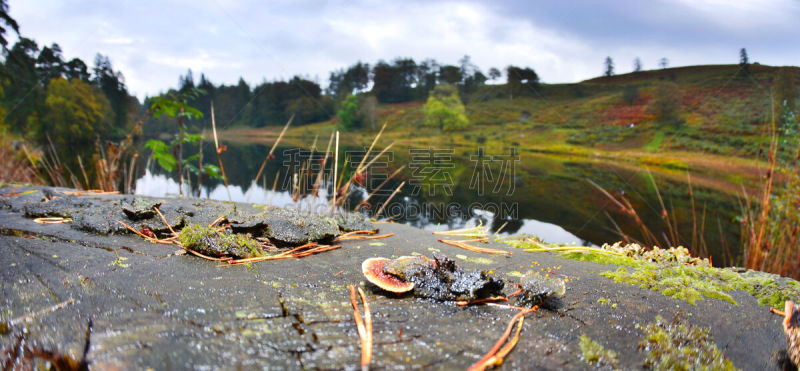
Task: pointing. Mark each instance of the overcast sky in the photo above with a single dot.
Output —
(564, 41)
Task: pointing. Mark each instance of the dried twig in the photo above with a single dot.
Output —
(482, 250)
(90, 192)
(33, 315)
(478, 231)
(52, 220)
(364, 326)
(496, 354)
(361, 237)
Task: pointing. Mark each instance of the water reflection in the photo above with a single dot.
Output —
(159, 185)
(546, 196)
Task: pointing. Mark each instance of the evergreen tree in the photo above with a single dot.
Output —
(8, 21)
(637, 65)
(609, 67)
(744, 62)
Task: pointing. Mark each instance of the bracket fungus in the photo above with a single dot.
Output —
(437, 278)
(373, 270)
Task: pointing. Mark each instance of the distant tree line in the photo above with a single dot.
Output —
(272, 103)
(45, 95)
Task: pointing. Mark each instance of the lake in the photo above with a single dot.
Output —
(556, 198)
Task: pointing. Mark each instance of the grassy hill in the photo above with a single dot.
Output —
(725, 117)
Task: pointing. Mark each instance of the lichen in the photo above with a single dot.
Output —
(680, 345)
(595, 354)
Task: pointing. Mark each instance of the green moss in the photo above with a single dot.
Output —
(674, 272)
(679, 282)
(680, 345)
(595, 354)
(691, 283)
(600, 258)
(212, 242)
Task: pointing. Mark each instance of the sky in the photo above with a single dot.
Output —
(154, 42)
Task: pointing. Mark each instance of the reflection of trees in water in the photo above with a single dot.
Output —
(545, 189)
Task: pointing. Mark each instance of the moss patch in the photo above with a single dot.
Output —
(209, 241)
(674, 272)
(680, 345)
(678, 282)
(691, 283)
(595, 354)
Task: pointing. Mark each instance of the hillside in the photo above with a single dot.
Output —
(723, 119)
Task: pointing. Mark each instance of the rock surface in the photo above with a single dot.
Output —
(150, 308)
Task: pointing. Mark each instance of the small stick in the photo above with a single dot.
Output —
(482, 250)
(338, 273)
(378, 214)
(542, 247)
(155, 240)
(778, 312)
(205, 256)
(357, 237)
(364, 326)
(506, 306)
(165, 221)
(90, 192)
(216, 221)
(490, 358)
(382, 222)
(501, 228)
(52, 220)
(357, 232)
(515, 293)
(485, 239)
(462, 303)
(30, 316)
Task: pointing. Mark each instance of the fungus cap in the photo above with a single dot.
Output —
(373, 271)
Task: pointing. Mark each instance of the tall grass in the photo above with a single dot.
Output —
(15, 161)
(669, 234)
(771, 217)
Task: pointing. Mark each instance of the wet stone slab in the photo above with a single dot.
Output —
(151, 308)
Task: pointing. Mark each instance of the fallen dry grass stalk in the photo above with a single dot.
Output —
(361, 237)
(462, 303)
(33, 315)
(495, 355)
(89, 192)
(478, 231)
(296, 253)
(483, 250)
(364, 326)
(542, 247)
(52, 220)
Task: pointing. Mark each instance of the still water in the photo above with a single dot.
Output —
(509, 190)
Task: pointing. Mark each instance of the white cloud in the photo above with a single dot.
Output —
(153, 43)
